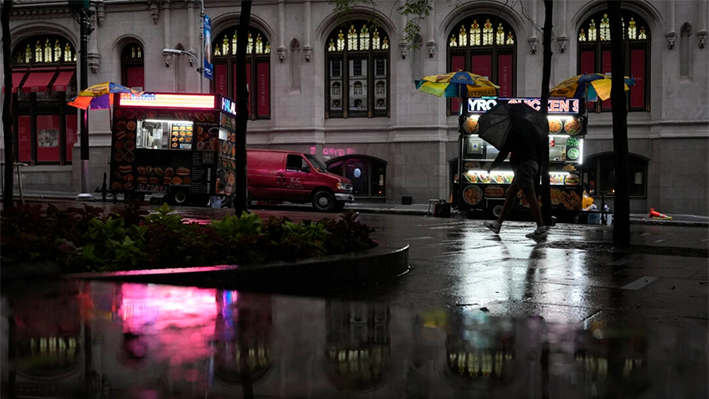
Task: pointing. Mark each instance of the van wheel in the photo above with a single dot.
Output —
(324, 201)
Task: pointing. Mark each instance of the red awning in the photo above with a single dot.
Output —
(16, 80)
(38, 81)
(62, 81)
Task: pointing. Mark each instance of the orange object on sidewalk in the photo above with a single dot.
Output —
(657, 215)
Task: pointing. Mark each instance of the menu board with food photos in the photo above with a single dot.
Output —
(226, 170)
(156, 170)
(181, 136)
(123, 151)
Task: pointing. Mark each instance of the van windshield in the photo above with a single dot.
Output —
(317, 164)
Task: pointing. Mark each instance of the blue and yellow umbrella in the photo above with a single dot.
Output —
(589, 86)
(99, 96)
(457, 84)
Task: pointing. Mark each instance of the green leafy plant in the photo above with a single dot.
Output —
(83, 239)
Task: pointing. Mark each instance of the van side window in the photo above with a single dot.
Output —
(295, 163)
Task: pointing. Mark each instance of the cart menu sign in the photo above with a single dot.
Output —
(556, 105)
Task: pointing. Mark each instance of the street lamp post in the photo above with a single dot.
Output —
(84, 21)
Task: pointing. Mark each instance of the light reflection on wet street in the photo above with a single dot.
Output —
(477, 315)
(123, 340)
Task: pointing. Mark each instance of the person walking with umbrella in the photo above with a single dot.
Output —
(517, 130)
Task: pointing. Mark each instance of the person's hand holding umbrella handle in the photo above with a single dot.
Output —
(498, 161)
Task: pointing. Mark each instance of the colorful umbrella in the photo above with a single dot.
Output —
(99, 96)
(579, 87)
(455, 84)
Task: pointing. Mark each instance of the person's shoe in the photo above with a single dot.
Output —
(540, 232)
(493, 226)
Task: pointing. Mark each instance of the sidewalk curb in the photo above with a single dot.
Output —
(393, 210)
(310, 276)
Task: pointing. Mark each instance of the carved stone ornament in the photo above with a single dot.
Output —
(403, 49)
(563, 41)
(431, 46)
(94, 60)
(702, 36)
(307, 53)
(533, 43)
(154, 12)
(168, 59)
(282, 53)
(100, 13)
(671, 38)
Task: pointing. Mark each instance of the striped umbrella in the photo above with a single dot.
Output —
(457, 84)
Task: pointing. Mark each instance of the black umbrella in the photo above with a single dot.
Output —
(508, 125)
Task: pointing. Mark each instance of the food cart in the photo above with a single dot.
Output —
(478, 191)
(178, 145)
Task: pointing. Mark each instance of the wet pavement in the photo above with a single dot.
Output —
(477, 315)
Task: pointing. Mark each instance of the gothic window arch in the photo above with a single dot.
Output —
(258, 69)
(357, 71)
(594, 55)
(44, 51)
(485, 45)
(44, 79)
(132, 66)
(685, 52)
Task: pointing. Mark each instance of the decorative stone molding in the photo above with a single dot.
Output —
(431, 47)
(533, 43)
(403, 49)
(168, 59)
(702, 36)
(563, 41)
(94, 60)
(307, 53)
(154, 11)
(100, 13)
(282, 53)
(671, 38)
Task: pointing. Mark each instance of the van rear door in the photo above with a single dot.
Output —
(265, 173)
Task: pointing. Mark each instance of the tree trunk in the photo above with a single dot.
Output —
(621, 217)
(546, 76)
(7, 193)
(242, 110)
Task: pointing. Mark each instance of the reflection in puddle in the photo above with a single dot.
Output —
(103, 340)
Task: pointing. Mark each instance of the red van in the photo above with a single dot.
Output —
(291, 176)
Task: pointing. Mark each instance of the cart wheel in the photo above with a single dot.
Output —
(497, 211)
(179, 198)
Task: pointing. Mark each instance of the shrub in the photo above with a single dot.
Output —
(83, 239)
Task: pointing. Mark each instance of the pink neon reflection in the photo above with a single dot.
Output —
(168, 320)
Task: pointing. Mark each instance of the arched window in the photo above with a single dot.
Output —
(368, 175)
(132, 70)
(357, 56)
(44, 51)
(599, 175)
(594, 55)
(44, 79)
(258, 68)
(484, 45)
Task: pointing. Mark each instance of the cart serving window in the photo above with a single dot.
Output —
(477, 190)
(179, 145)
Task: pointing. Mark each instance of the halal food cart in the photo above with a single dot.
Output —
(479, 191)
(179, 145)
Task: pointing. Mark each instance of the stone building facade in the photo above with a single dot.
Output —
(346, 92)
